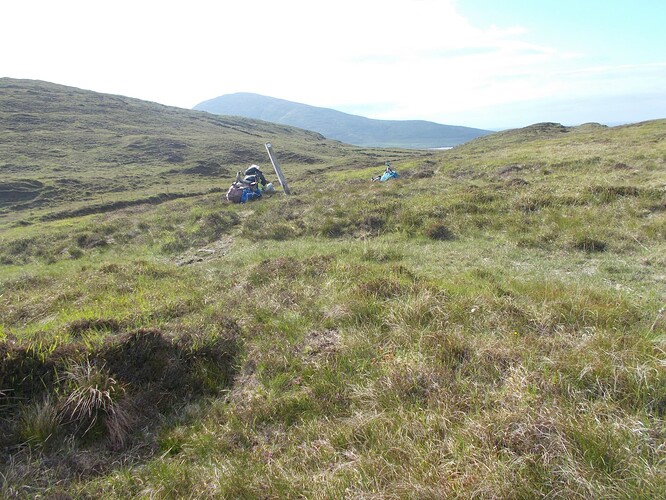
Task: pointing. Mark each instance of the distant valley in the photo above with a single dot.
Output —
(344, 127)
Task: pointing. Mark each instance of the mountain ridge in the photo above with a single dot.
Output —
(344, 127)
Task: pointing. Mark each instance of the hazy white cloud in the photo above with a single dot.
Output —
(393, 59)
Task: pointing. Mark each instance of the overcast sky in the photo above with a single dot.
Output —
(490, 64)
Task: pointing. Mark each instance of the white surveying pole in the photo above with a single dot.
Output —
(278, 170)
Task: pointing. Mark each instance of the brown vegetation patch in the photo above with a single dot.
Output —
(320, 343)
(144, 356)
(510, 169)
(150, 357)
(610, 193)
(423, 171)
(163, 148)
(215, 250)
(451, 351)
(294, 157)
(621, 166)
(26, 372)
(88, 241)
(372, 224)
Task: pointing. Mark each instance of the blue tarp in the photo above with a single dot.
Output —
(388, 175)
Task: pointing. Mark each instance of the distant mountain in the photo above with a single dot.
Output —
(332, 124)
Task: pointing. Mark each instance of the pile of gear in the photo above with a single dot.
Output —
(251, 187)
(389, 173)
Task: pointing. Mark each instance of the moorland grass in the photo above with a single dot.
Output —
(68, 152)
(491, 325)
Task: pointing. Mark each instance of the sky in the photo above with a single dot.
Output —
(490, 64)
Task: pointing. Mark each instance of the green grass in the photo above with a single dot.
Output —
(491, 324)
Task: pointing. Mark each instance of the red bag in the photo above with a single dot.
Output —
(235, 193)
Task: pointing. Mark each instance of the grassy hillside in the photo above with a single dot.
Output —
(491, 324)
(74, 151)
(351, 129)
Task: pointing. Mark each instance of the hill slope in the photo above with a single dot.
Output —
(344, 127)
(73, 148)
(491, 324)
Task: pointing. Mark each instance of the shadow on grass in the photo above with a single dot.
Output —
(73, 400)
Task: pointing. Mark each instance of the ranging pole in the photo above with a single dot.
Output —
(278, 170)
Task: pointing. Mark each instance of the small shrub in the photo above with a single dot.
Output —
(534, 202)
(210, 358)
(20, 246)
(373, 224)
(188, 366)
(381, 288)
(23, 250)
(23, 370)
(290, 269)
(382, 255)
(408, 385)
(423, 172)
(142, 357)
(280, 231)
(452, 352)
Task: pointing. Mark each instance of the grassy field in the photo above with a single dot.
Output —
(491, 324)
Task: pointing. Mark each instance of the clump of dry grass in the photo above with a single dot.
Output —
(94, 403)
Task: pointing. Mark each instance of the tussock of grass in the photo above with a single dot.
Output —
(39, 423)
(92, 405)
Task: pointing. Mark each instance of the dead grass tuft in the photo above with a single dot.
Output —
(93, 404)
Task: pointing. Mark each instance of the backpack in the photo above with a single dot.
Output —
(235, 193)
